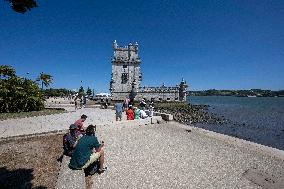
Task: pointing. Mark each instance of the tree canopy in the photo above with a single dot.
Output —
(81, 91)
(57, 92)
(6, 71)
(89, 92)
(22, 6)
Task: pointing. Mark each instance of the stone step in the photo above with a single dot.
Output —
(69, 178)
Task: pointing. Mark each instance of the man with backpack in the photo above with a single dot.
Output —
(88, 151)
(70, 140)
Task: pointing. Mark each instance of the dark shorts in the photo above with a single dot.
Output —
(118, 115)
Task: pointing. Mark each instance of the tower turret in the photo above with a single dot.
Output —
(182, 90)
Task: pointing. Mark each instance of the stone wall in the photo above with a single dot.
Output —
(156, 96)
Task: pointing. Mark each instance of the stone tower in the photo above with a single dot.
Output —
(126, 75)
(182, 90)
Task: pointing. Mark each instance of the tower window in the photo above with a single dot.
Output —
(124, 66)
(124, 78)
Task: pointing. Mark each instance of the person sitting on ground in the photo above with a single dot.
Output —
(130, 113)
(79, 123)
(88, 150)
(70, 140)
(143, 114)
(136, 113)
(118, 110)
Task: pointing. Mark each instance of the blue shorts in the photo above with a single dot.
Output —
(118, 115)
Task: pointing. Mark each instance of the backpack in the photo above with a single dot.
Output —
(66, 146)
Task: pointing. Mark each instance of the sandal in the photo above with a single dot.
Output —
(102, 170)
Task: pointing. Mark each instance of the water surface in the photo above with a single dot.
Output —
(259, 120)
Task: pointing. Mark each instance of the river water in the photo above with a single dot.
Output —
(260, 120)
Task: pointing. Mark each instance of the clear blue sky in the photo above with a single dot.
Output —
(230, 44)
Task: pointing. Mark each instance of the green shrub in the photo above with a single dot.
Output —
(18, 94)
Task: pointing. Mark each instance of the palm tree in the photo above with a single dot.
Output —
(45, 79)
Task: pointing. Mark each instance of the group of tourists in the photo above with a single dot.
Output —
(131, 111)
(83, 146)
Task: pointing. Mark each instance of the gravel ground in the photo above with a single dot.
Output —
(167, 156)
(30, 163)
(39, 124)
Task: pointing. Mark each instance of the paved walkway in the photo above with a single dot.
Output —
(168, 156)
(32, 125)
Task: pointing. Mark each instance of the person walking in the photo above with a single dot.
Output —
(118, 110)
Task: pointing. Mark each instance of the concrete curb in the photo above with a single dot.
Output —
(34, 135)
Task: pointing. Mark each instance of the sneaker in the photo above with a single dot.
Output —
(100, 171)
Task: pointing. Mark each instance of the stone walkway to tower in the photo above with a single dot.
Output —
(56, 122)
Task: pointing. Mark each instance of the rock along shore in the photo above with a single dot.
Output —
(189, 114)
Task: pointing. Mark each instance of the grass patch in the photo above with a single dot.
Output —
(4, 116)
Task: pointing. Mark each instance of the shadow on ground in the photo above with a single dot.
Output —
(19, 178)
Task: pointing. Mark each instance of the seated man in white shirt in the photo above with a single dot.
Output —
(143, 114)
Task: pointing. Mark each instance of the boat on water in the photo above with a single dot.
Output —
(251, 95)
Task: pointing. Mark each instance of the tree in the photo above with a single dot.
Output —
(22, 6)
(81, 91)
(45, 79)
(57, 92)
(89, 92)
(18, 94)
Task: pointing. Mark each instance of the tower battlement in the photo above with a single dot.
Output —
(125, 54)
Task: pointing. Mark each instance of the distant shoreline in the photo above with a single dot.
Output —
(238, 93)
(239, 96)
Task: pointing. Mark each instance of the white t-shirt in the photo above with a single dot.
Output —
(143, 114)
